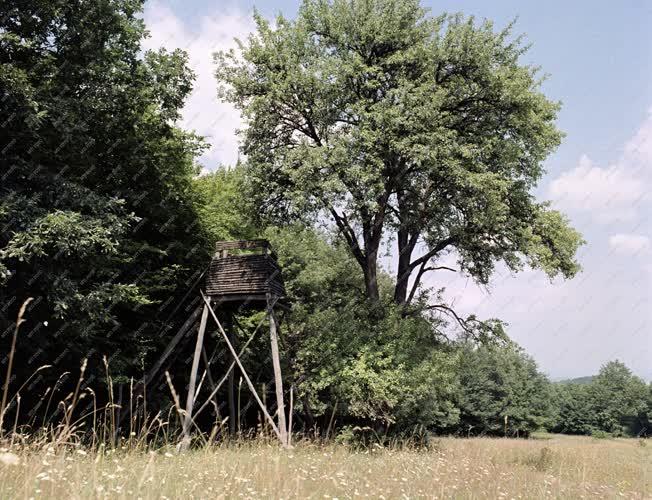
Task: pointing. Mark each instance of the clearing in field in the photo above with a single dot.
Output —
(559, 467)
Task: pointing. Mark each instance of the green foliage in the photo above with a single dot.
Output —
(394, 124)
(501, 391)
(572, 403)
(615, 402)
(401, 375)
(224, 209)
(618, 399)
(389, 370)
(97, 207)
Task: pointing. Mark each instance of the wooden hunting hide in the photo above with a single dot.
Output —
(244, 277)
(241, 275)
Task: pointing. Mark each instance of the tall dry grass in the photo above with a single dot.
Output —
(561, 467)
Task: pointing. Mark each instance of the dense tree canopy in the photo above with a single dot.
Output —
(613, 402)
(396, 125)
(97, 206)
(502, 392)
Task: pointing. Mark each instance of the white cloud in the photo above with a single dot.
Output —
(629, 244)
(215, 120)
(611, 193)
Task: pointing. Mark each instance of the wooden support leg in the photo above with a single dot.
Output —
(236, 358)
(243, 349)
(278, 380)
(207, 362)
(230, 391)
(190, 401)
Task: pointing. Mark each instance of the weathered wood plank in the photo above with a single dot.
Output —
(243, 275)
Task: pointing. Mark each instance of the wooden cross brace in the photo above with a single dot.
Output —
(280, 430)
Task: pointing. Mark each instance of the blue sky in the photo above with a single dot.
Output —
(599, 58)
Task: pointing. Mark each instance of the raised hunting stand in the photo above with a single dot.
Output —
(242, 275)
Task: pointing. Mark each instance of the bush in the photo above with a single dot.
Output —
(600, 434)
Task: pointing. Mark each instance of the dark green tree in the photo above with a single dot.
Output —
(614, 402)
(97, 209)
(502, 391)
(573, 409)
(618, 400)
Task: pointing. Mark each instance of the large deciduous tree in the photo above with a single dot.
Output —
(618, 400)
(397, 126)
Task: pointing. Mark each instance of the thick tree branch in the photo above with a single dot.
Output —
(442, 268)
(422, 262)
(348, 233)
(416, 283)
(435, 250)
(421, 272)
(406, 247)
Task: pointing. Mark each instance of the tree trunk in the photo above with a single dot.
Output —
(406, 243)
(400, 289)
(367, 256)
(310, 419)
(370, 263)
(371, 277)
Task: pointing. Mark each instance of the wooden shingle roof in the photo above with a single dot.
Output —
(244, 277)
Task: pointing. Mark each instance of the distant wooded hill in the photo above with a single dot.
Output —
(578, 380)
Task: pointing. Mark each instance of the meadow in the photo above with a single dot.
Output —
(549, 467)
